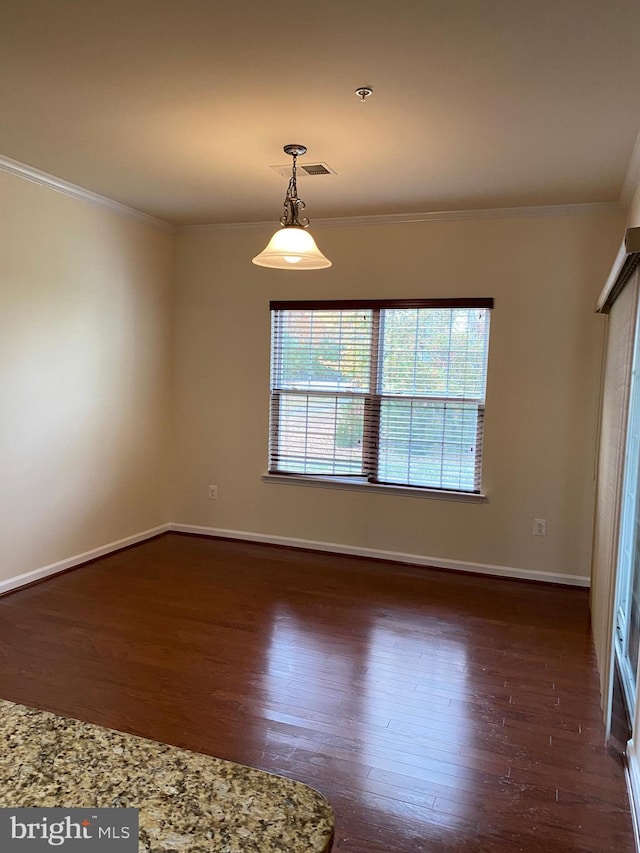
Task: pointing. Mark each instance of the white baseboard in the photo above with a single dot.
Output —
(288, 541)
(632, 773)
(62, 565)
(395, 556)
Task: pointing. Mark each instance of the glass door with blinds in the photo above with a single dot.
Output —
(627, 622)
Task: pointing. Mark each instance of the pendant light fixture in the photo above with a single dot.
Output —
(292, 247)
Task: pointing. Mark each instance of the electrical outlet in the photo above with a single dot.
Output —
(213, 493)
(539, 526)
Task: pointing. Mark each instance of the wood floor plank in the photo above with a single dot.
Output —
(436, 711)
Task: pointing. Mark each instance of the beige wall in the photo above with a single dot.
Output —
(87, 328)
(84, 367)
(545, 353)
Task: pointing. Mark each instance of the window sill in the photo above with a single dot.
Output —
(374, 488)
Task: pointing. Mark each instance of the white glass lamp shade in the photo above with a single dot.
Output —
(292, 248)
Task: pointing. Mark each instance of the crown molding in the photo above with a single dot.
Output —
(632, 178)
(432, 216)
(37, 176)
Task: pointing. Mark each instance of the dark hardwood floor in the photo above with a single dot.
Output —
(436, 711)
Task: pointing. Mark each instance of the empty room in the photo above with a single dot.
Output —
(320, 426)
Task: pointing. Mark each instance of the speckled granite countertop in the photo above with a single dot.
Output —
(188, 802)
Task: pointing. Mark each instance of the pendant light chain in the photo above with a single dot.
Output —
(292, 204)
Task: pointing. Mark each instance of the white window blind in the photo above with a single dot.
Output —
(385, 391)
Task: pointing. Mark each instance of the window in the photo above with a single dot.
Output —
(380, 391)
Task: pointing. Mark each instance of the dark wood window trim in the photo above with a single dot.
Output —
(353, 304)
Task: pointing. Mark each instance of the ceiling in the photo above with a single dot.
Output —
(179, 109)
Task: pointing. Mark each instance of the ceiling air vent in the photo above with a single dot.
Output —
(304, 169)
(315, 168)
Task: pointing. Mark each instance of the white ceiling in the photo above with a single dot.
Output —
(179, 109)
